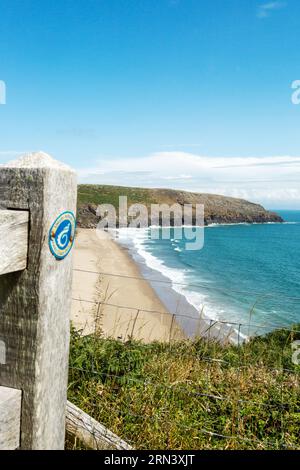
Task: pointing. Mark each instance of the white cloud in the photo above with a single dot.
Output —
(272, 181)
(266, 9)
(178, 178)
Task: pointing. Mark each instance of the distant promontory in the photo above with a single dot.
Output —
(217, 209)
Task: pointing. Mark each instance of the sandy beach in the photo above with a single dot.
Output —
(113, 305)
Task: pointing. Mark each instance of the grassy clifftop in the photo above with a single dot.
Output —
(218, 209)
(191, 395)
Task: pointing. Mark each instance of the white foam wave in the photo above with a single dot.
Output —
(178, 277)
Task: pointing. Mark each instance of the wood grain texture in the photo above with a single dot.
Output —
(91, 433)
(35, 303)
(10, 415)
(13, 240)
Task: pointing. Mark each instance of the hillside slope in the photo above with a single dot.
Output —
(191, 394)
(218, 209)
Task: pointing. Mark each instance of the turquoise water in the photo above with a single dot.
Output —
(244, 273)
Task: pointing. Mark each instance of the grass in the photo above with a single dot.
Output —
(105, 194)
(174, 396)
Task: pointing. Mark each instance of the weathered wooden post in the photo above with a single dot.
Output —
(37, 226)
(10, 418)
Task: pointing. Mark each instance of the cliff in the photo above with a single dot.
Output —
(217, 209)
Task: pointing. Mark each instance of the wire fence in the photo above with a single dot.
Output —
(185, 284)
(218, 389)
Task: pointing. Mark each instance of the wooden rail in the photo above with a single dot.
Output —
(13, 240)
(91, 433)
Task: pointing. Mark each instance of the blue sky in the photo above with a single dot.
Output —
(157, 92)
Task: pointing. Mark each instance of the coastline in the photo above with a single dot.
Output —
(194, 322)
(136, 300)
(130, 307)
(131, 299)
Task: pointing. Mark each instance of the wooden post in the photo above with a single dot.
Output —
(35, 303)
(10, 418)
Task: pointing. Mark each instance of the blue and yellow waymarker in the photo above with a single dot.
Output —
(62, 235)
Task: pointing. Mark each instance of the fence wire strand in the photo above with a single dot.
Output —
(281, 372)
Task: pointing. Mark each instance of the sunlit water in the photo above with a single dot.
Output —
(243, 274)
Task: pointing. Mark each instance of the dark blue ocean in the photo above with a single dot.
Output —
(244, 273)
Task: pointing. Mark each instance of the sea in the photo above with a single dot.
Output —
(245, 278)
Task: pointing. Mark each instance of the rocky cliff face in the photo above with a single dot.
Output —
(217, 209)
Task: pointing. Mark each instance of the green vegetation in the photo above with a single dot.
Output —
(172, 396)
(102, 194)
(218, 209)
